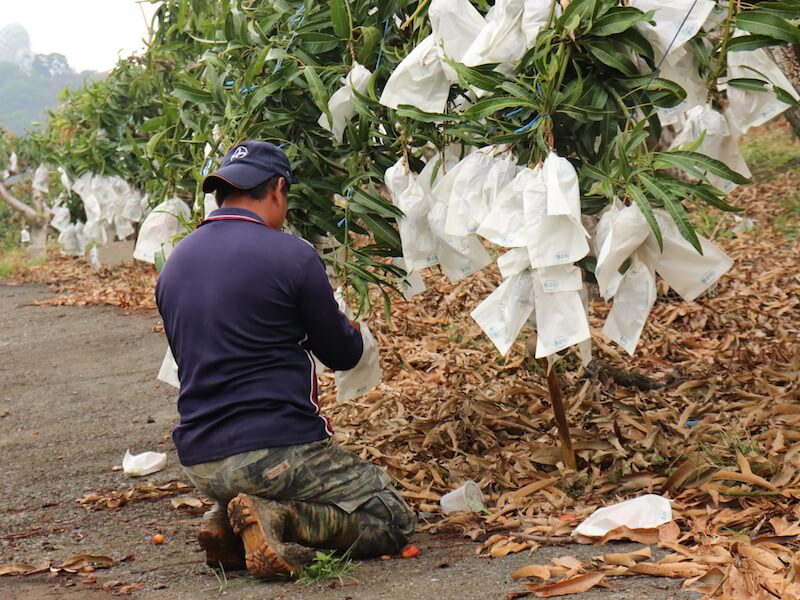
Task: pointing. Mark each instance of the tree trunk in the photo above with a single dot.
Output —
(788, 59)
(36, 217)
(38, 247)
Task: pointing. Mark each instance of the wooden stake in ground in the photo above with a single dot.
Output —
(554, 387)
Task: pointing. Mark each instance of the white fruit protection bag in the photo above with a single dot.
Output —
(721, 141)
(340, 104)
(748, 108)
(367, 374)
(560, 319)
(676, 21)
(419, 80)
(687, 272)
(505, 223)
(501, 40)
(555, 234)
(505, 311)
(466, 205)
(620, 232)
(632, 304)
(158, 229)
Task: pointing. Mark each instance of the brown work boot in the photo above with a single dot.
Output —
(262, 524)
(224, 549)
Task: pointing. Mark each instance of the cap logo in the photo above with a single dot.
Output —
(240, 152)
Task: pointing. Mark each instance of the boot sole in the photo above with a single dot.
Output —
(262, 554)
(222, 551)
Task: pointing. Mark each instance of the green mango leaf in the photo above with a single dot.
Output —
(745, 43)
(643, 203)
(674, 208)
(771, 25)
(489, 106)
(611, 56)
(318, 91)
(749, 84)
(697, 164)
(342, 19)
(618, 20)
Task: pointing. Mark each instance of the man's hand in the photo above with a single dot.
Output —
(355, 325)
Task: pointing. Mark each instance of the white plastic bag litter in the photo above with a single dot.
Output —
(553, 239)
(620, 232)
(646, 512)
(687, 272)
(514, 261)
(505, 223)
(632, 304)
(560, 319)
(721, 141)
(340, 104)
(674, 23)
(139, 465)
(501, 40)
(750, 109)
(504, 312)
(367, 374)
(168, 373)
(466, 205)
(158, 229)
(419, 80)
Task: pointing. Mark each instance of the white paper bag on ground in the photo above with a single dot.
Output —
(466, 204)
(551, 239)
(686, 271)
(619, 233)
(750, 109)
(721, 141)
(632, 304)
(514, 261)
(504, 312)
(139, 465)
(674, 23)
(419, 80)
(168, 373)
(560, 319)
(340, 104)
(158, 229)
(646, 512)
(501, 40)
(505, 223)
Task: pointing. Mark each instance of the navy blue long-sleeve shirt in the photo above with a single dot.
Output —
(243, 307)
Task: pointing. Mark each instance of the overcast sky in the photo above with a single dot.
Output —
(90, 33)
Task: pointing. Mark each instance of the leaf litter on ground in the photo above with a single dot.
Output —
(718, 432)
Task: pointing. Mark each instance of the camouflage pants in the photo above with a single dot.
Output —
(322, 473)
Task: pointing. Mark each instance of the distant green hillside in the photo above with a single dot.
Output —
(26, 97)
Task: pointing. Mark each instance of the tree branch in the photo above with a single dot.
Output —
(18, 204)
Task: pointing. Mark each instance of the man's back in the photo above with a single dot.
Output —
(242, 306)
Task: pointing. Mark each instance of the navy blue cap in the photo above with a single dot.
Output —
(249, 164)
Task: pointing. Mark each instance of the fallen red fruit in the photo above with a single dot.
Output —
(411, 551)
(158, 539)
(386, 557)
